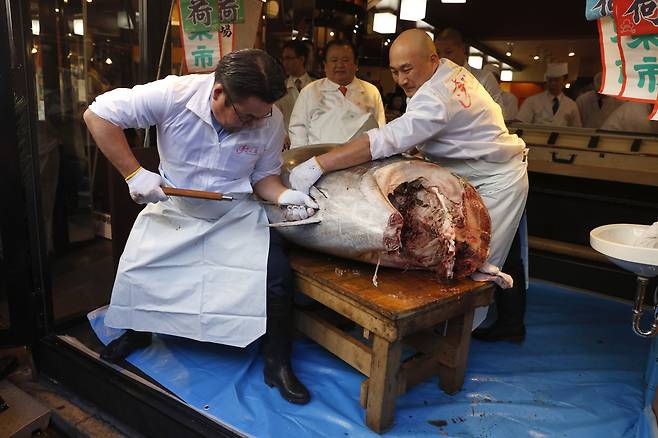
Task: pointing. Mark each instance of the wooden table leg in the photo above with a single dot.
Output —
(458, 334)
(382, 384)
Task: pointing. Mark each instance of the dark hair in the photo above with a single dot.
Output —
(450, 34)
(251, 73)
(297, 46)
(339, 43)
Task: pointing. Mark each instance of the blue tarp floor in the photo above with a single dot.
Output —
(580, 373)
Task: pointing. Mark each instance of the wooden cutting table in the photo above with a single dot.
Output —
(409, 308)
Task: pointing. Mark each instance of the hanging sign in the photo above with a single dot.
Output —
(595, 9)
(612, 77)
(207, 31)
(636, 17)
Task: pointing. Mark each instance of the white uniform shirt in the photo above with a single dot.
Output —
(593, 115)
(489, 82)
(631, 117)
(191, 155)
(323, 115)
(450, 116)
(287, 102)
(509, 105)
(539, 109)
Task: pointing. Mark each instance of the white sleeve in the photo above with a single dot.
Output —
(575, 117)
(269, 163)
(138, 107)
(525, 112)
(426, 116)
(299, 120)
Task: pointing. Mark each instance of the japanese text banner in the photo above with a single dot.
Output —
(636, 17)
(613, 74)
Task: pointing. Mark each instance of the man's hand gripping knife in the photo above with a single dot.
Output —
(145, 186)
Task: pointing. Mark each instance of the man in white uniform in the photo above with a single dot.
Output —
(595, 108)
(632, 117)
(294, 59)
(450, 44)
(205, 270)
(456, 123)
(508, 101)
(551, 106)
(339, 107)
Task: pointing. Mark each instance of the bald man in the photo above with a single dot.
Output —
(456, 123)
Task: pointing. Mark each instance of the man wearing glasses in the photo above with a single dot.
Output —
(294, 59)
(199, 269)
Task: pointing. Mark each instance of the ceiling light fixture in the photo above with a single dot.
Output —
(385, 22)
(572, 54)
(506, 75)
(536, 57)
(413, 10)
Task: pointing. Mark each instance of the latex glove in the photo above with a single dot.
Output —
(489, 272)
(305, 175)
(299, 205)
(145, 187)
(649, 238)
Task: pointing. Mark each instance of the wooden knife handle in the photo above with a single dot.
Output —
(216, 196)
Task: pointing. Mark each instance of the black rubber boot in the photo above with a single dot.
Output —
(277, 349)
(510, 303)
(125, 344)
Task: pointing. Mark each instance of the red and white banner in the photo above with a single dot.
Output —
(636, 17)
(613, 73)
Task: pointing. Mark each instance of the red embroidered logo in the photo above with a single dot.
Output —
(246, 149)
(461, 93)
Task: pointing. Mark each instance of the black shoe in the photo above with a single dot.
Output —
(283, 378)
(125, 344)
(500, 332)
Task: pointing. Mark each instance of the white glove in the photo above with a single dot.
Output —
(305, 175)
(299, 205)
(145, 187)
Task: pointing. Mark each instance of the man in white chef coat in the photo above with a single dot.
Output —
(294, 60)
(595, 108)
(450, 44)
(205, 270)
(336, 108)
(509, 103)
(455, 123)
(551, 106)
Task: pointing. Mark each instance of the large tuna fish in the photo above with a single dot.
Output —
(401, 212)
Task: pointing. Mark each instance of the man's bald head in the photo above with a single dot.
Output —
(412, 60)
(450, 44)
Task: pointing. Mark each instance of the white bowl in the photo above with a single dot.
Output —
(617, 242)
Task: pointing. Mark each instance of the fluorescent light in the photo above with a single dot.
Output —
(475, 61)
(572, 54)
(36, 27)
(385, 22)
(506, 75)
(78, 26)
(413, 10)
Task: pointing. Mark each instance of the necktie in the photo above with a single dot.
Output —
(343, 89)
(556, 104)
(298, 84)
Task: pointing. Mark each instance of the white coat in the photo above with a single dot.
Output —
(287, 102)
(323, 115)
(539, 109)
(631, 117)
(510, 105)
(195, 268)
(593, 113)
(456, 123)
(490, 84)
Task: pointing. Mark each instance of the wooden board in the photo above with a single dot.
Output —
(400, 294)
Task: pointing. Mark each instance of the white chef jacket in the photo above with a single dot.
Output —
(591, 114)
(539, 109)
(287, 102)
(510, 105)
(191, 155)
(631, 117)
(323, 115)
(489, 82)
(456, 123)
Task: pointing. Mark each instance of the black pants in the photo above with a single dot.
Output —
(511, 303)
(279, 275)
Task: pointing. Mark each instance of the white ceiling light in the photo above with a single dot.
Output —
(508, 53)
(536, 57)
(331, 33)
(506, 75)
(572, 54)
(78, 26)
(385, 22)
(36, 28)
(391, 5)
(475, 61)
(567, 85)
(34, 50)
(108, 61)
(413, 10)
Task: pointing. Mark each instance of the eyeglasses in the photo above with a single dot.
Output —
(246, 118)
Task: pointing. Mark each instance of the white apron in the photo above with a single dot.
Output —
(195, 269)
(503, 188)
(339, 125)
